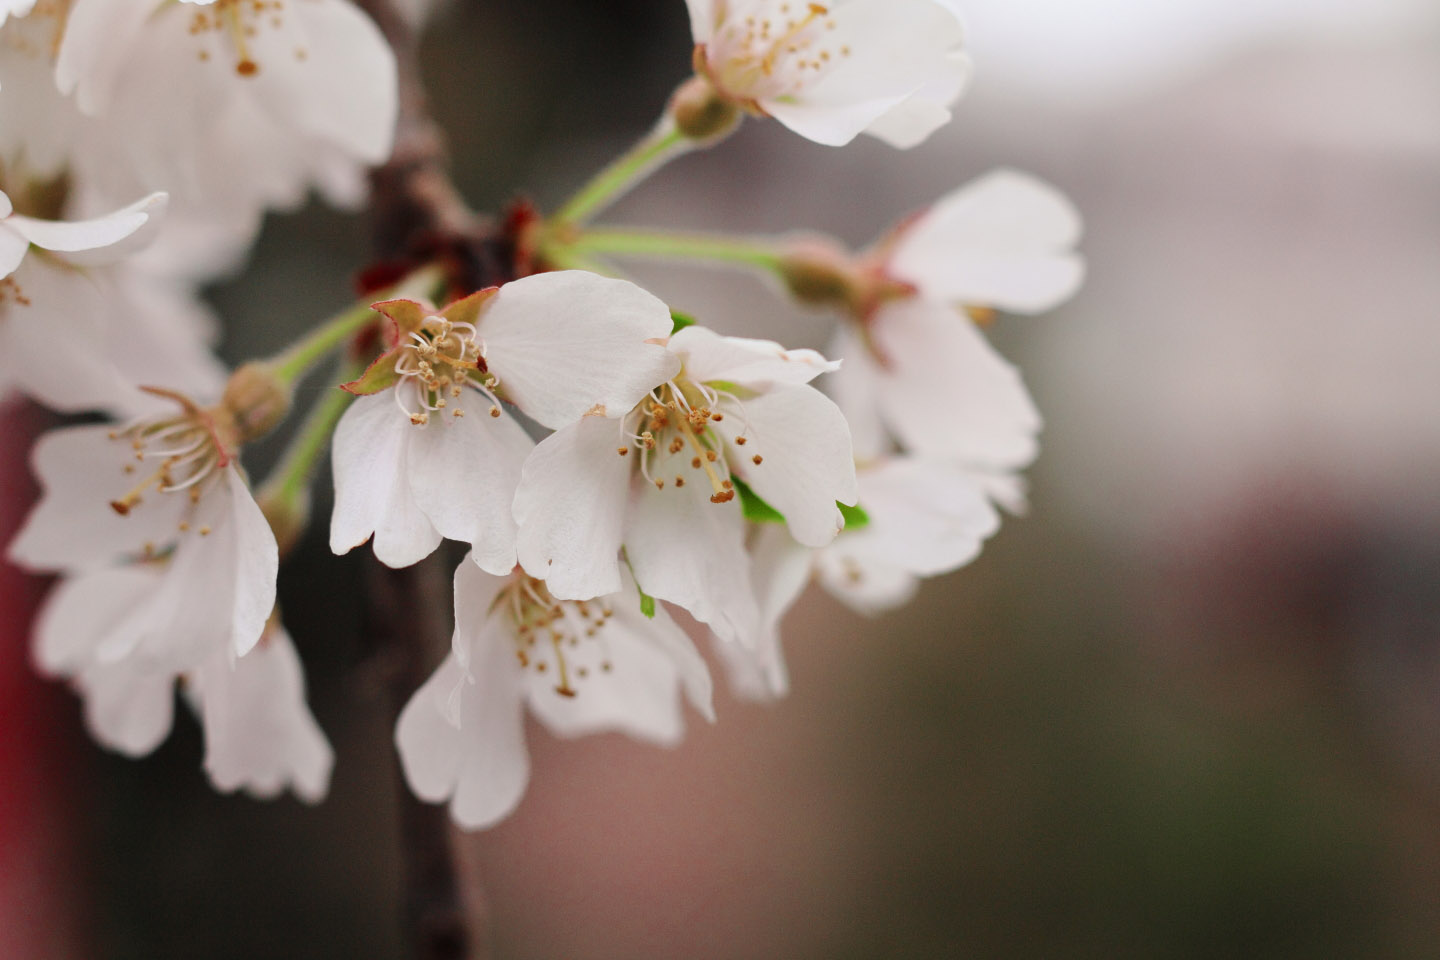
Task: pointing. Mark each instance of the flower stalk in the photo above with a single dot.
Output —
(661, 145)
(753, 252)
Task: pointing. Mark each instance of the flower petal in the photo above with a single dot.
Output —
(79, 613)
(1005, 241)
(755, 364)
(372, 488)
(689, 551)
(259, 733)
(946, 392)
(567, 342)
(797, 457)
(571, 506)
(256, 564)
(780, 570)
(13, 248)
(463, 473)
(129, 705)
(108, 233)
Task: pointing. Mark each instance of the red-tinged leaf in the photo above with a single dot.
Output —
(407, 315)
(380, 375)
(467, 309)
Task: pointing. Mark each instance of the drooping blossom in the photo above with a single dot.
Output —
(580, 667)
(917, 365)
(429, 452)
(167, 490)
(919, 519)
(890, 68)
(661, 482)
(232, 106)
(259, 734)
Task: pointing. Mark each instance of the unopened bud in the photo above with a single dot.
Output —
(257, 400)
(701, 113)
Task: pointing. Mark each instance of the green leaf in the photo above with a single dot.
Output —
(647, 603)
(680, 321)
(754, 507)
(855, 517)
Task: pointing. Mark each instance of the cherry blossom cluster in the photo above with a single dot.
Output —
(606, 461)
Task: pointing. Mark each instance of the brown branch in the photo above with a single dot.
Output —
(419, 216)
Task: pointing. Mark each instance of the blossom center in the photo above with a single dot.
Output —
(435, 365)
(176, 454)
(676, 419)
(562, 641)
(774, 50)
(238, 22)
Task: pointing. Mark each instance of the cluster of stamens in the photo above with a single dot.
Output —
(561, 640)
(241, 21)
(768, 55)
(436, 364)
(177, 454)
(679, 415)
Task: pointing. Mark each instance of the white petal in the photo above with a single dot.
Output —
(780, 570)
(475, 593)
(6, 207)
(866, 588)
(259, 733)
(80, 612)
(107, 233)
(372, 487)
(702, 19)
(755, 364)
(806, 463)
(97, 46)
(344, 91)
(13, 248)
(639, 695)
(910, 122)
(482, 764)
(946, 392)
(854, 389)
(73, 527)
(463, 473)
(571, 507)
(566, 342)
(690, 552)
(129, 706)
(1005, 241)
(256, 564)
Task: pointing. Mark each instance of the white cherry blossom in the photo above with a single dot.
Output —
(580, 667)
(661, 482)
(918, 365)
(890, 68)
(232, 106)
(430, 452)
(167, 490)
(259, 734)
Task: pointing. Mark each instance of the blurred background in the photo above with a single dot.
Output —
(1189, 707)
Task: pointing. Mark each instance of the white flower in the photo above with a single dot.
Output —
(918, 368)
(581, 667)
(418, 458)
(14, 8)
(231, 106)
(167, 490)
(661, 482)
(259, 733)
(920, 519)
(890, 68)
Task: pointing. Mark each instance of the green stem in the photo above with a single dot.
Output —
(759, 253)
(661, 145)
(300, 356)
(290, 480)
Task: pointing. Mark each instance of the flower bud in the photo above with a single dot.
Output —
(257, 400)
(701, 113)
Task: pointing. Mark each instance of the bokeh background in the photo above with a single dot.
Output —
(1188, 707)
